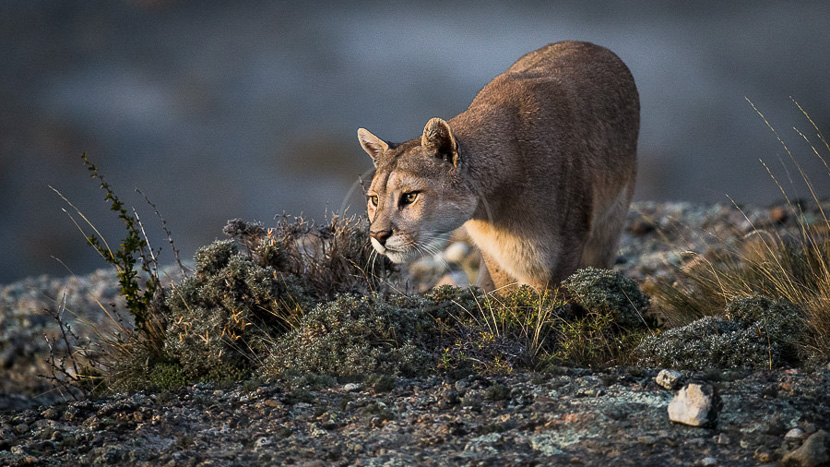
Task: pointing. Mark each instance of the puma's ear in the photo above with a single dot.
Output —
(438, 137)
(373, 145)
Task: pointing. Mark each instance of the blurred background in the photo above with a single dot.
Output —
(223, 109)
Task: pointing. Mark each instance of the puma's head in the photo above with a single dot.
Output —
(417, 193)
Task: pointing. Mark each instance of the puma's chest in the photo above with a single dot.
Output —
(519, 253)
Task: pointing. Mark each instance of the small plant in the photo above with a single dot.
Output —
(133, 249)
(596, 323)
(248, 292)
(136, 264)
(605, 319)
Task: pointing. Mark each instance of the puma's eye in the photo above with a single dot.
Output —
(374, 200)
(409, 198)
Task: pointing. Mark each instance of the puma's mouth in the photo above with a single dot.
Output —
(397, 256)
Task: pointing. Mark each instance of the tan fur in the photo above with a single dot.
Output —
(540, 169)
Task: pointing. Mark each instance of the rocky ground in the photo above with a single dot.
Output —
(575, 417)
(618, 415)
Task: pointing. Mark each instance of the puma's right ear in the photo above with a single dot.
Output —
(438, 137)
(373, 145)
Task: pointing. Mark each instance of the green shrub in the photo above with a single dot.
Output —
(754, 332)
(605, 292)
(358, 335)
(220, 323)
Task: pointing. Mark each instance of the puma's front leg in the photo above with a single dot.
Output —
(492, 277)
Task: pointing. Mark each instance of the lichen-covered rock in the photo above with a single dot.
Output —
(669, 379)
(756, 332)
(606, 292)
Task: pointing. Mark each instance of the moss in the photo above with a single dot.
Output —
(754, 332)
(604, 292)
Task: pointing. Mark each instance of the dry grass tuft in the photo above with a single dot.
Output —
(792, 265)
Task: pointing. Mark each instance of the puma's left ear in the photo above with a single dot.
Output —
(438, 137)
(373, 145)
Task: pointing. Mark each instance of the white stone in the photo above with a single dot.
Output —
(707, 461)
(352, 387)
(795, 433)
(668, 378)
(693, 405)
(262, 443)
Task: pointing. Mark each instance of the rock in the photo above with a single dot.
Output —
(262, 443)
(707, 461)
(649, 440)
(794, 434)
(669, 379)
(762, 455)
(723, 439)
(7, 434)
(352, 387)
(456, 252)
(776, 427)
(812, 453)
(696, 405)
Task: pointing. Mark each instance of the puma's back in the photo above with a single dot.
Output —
(540, 168)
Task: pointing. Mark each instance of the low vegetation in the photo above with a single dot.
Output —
(299, 300)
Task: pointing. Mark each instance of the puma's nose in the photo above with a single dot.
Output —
(381, 236)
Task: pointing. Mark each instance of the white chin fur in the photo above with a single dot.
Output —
(395, 256)
(378, 247)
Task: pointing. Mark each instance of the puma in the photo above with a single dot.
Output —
(540, 169)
